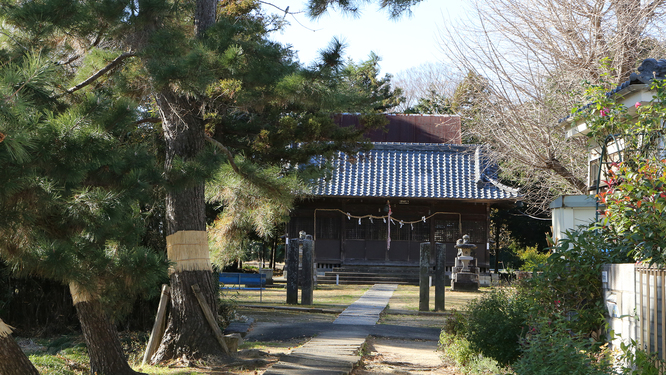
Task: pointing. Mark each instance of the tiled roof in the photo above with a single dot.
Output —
(649, 70)
(415, 170)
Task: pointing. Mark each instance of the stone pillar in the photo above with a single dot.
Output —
(440, 275)
(307, 285)
(424, 289)
(292, 271)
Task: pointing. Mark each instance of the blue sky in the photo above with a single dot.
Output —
(402, 43)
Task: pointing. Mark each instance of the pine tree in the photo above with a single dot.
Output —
(434, 103)
(470, 103)
(395, 7)
(72, 180)
(16, 81)
(253, 103)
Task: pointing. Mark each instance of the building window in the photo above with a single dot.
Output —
(421, 232)
(475, 229)
(447, 230)
(299, 224)
(328, 228)
(377, 230)
(354, 230)
(400, 234)
(613, 154)
(593, 182)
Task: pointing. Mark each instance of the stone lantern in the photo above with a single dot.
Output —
(464, 276)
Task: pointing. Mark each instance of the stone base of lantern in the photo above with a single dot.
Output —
(465, 282)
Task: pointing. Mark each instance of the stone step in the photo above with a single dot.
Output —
(369, 276)
(375, 270)
(378, 279)
(351, 280)
(356, 273)
(355, 282)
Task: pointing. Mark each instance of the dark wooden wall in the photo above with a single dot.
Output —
(341, 240)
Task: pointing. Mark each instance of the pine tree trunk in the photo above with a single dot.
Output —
(106, 353)
(12, 359)
(204, 15)
(187, 334)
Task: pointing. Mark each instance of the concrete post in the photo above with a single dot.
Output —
(440, 275)
(424, 291)
(292, 272)
(307, 285)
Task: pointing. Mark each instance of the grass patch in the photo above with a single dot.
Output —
(263, 345)
(67, 355)
(336, 297)
(406, 297)
(64, 355)
(55, 365)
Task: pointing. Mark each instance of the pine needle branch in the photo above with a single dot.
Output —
(101, 72)
(244, 175)
(10, 36)
(34, 74)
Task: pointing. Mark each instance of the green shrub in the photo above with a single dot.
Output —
(549, 348)
(495, 324)
(455, 323)
(635, 207)
(568, 285)
(532, 258)
(639, 361)
(226, 308)
(482, 365)
(456, 349)
(635, 200)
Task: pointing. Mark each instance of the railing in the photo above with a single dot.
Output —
(252, 281)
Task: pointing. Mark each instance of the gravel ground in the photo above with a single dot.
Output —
(395, 356)
(284, 330)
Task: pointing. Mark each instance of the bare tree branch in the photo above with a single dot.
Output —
(70, 60)
(535, 56)
(152, 120)
(224, 149)
(419, 82)
(101, 72)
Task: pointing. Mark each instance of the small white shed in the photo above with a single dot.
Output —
(571, 211)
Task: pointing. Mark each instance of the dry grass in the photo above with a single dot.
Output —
(338, 297)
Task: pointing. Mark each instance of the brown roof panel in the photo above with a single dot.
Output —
(411, 128)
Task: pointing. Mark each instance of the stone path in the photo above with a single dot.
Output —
(365, 311)
(336, 351)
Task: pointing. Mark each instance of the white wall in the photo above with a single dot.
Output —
(571, 211)
(619, 288)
